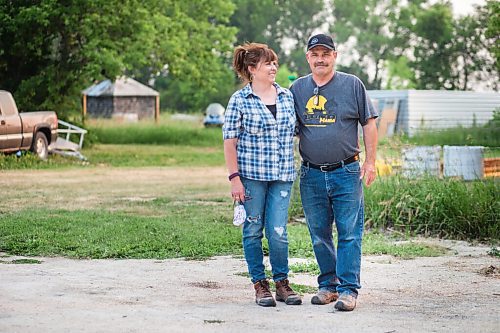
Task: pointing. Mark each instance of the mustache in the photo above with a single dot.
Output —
(320, 63)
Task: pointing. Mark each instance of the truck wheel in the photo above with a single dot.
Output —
(40, 146)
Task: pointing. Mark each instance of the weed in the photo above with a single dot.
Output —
(21, 261)
(494, 252)
(310, 267)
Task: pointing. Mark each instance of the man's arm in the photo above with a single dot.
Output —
(370, 138)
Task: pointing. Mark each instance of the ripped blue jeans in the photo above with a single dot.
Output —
(266, 206)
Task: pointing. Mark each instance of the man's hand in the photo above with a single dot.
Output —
(368, 172)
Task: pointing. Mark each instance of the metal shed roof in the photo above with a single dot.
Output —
(123, 86)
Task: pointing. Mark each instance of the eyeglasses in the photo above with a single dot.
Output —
(316, 96)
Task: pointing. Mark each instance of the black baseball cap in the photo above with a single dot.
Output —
(321, 40)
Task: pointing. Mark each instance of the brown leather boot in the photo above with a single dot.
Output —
(346, 302)
(263, 295)
(324, 297)
(284, 293)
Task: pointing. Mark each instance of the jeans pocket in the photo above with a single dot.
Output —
(303, 171)
(352, 167)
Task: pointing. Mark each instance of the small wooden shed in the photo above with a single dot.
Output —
(125, 99)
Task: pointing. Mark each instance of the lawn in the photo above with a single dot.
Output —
(160, 191)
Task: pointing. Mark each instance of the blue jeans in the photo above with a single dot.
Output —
(266, 205)
(328, 197)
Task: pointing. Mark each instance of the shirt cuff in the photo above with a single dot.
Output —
(230, 135)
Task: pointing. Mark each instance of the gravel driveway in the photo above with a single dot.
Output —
(452, 293)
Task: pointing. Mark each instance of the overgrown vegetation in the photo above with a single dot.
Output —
(440, 207)
(487, 135)
(180, 133)
(27, 160)
(429, 206)
(158, 229)
(158, 155)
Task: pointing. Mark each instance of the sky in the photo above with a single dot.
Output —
(463, 7)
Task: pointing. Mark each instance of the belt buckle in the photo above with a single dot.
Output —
(321, 167)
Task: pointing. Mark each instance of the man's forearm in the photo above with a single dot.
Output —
(370, 139)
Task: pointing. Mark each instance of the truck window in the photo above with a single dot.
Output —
(9, 107)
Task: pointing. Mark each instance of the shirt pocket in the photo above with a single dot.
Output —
(288, 121)
(253, 123)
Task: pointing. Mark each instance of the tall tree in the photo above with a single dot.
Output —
(474, 64)
(52, 49)
(370, 27)
(433, 51)
(492, 15)
(450, 53)
(284, 25)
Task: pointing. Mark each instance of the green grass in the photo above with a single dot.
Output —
(157, 229)
(150, 155)
(122, 156)
(435, 207)
(25, 261)
(165, 133)
(31, 161)
(310, 267)
(494, 252)
(193, 232)
(487, 135)
(457, 137)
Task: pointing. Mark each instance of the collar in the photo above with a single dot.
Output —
(247, 90)
(327, 83)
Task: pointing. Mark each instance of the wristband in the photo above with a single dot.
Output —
(233, 175)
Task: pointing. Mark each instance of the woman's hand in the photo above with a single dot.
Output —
(237, 189)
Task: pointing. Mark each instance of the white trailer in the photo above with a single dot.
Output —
(436, 109)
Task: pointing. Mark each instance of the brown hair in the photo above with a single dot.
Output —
(250, 54)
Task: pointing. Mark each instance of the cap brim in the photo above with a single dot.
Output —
(324, 45)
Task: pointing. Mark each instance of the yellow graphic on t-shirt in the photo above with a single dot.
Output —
(323, 120)
(316, 114)
(316, 103)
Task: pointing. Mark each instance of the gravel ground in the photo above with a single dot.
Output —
(456, 292)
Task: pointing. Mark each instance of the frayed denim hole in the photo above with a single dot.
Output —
(280, 231)
(253, 219)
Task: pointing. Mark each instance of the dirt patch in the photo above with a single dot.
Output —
(108, 187)
(206, 285)
(491, 270)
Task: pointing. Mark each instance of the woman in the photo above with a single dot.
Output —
(258, 147)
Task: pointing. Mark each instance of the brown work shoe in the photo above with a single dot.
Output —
(284, 293)
(324, 297)
(263, 295)
(346, 302)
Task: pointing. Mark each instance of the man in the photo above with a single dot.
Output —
(329, 105)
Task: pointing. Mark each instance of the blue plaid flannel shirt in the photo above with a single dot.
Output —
(265, 144)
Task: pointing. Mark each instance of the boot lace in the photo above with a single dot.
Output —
(264, 288)
(286, 286)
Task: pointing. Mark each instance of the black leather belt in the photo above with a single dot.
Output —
(331, 167)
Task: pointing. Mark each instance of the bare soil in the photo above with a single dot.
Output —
(459, 291)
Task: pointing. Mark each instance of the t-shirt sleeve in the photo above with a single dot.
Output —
(293, 90)
(232, 119)
(365, 106)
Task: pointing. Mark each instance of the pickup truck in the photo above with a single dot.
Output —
(33, 131)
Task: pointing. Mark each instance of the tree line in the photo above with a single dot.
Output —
(50, 50)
